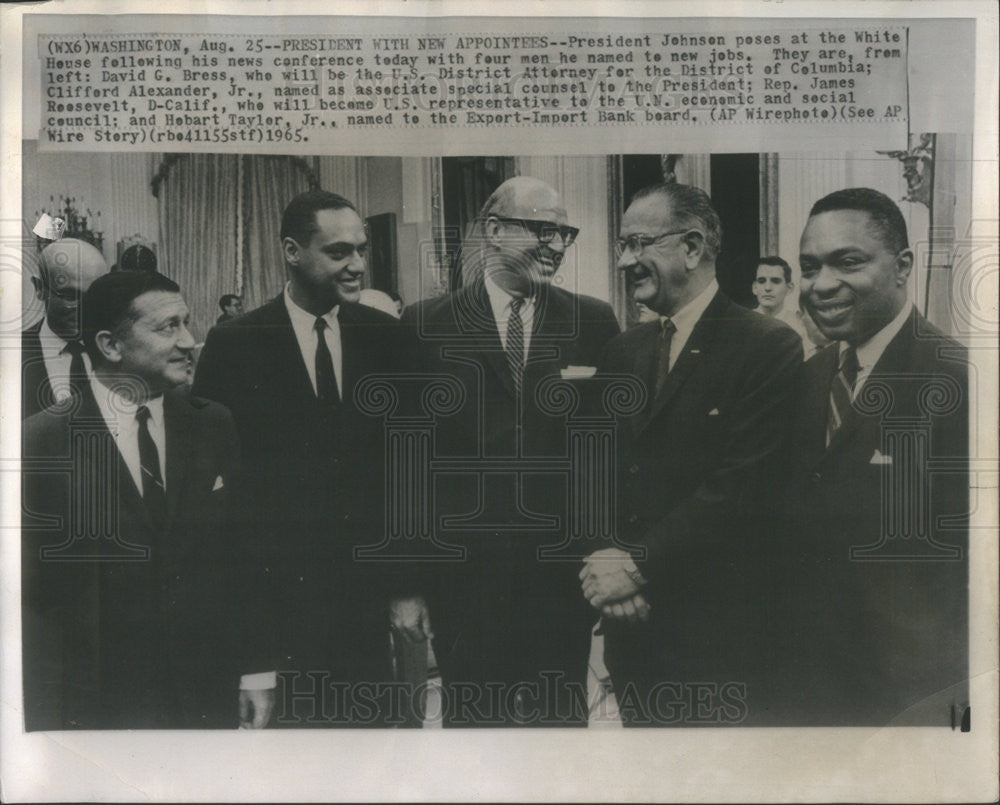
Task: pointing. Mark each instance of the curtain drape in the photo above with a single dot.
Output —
(269, 184)
(197, 212)
(219, 221)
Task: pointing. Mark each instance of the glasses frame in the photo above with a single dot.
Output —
(567, 234)
(643, 241)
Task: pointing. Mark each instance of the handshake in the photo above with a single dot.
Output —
(611, 582)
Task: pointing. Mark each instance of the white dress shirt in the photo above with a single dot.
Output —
(119, 412)
(500, 303)
(57, 361)
(869, 352)
(687, 317)
(304, 325)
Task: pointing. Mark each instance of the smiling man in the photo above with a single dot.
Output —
(53, 359)
(503, 616)
(129, 610)
(314, 472)
(678, 606)
(876, 631)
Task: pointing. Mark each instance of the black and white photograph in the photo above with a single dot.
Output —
(394, 387)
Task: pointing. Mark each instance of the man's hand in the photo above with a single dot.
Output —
(256, 707)
(604, 577)
(411, 618)
(631, 609)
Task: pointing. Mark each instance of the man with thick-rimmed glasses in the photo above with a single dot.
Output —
(510, 635)
(54, 363)
(677, 607)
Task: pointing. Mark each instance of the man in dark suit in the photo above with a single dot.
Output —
(128, 603)
(874, 628)
(314, 473)
(675, 592)
(504, 614)
(53, 360)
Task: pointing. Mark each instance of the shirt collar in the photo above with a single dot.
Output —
(500, 299)
(119, 409)
(303, 319)
(52, 343)
(870, 351)
(687, 317)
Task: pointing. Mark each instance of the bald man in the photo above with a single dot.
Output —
(53, 360)
(510, 636)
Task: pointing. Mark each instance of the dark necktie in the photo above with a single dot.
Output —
(841, 390)
(515, 341)
(153, 493)
(77, 369)
(326, 380)
(663, 359)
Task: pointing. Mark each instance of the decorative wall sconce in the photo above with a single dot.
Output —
(918, 168)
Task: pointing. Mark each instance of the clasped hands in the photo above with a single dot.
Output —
(612, 585)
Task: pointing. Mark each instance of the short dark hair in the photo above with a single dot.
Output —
(299, 219)
(107, 303)
(774, 260)
(886, 219)
(227, 299)
(692, 206)
(137, 258)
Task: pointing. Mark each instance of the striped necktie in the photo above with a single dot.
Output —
(153, 493)
(841, 391)
(663, 357)
(515, 341)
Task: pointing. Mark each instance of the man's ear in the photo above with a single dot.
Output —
(904, 265)
(291, 250)
(491, 231)
(109, 346)
(39, 288)
(694, 248)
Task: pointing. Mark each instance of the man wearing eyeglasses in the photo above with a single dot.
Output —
(675, 594)
(503, 618)
(314, 478)
(54, 362)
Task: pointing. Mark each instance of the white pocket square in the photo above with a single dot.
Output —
(218, 484)
(878, 458)
(714, 412)
(577, 372)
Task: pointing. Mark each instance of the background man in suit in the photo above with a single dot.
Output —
(875, 630)
(720, 380)
(314, 471)
(231, 306)
(53, 360)
(503, 615)
(128, 614)
(771, 287)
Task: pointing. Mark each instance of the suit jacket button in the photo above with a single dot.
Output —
(633, 469)
(815, 477)
(633, 518)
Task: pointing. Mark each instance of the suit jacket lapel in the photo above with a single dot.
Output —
(130, 496)
(892, 358)
(644, 367)
(180, 444)
(552, 320)
(352, 364)
(287, 357)
(699, 342)
(34, 377)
